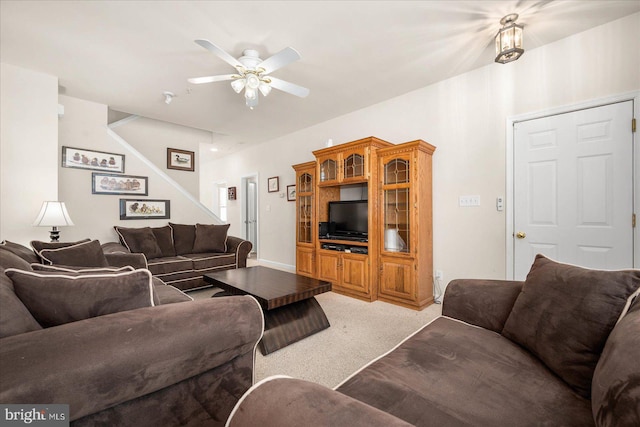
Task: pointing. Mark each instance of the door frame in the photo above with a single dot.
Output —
(509, 152)
(243, 206)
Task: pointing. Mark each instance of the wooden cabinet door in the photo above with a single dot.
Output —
(354, 165)
(305, 261)
(329, 169)
(328, 267)
(397, 278)
(355, 272)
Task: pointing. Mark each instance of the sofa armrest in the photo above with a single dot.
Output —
(103, 361)
(484, 303)
(241, 248)
(118, 255)
(283, 401)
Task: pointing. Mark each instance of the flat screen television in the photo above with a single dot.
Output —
(349, 219)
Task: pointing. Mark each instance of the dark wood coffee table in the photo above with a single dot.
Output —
(290, 310)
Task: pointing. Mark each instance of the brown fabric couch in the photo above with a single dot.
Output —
(560, 349)
(180, 254)
(157, 358)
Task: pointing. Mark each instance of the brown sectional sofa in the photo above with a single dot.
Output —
(119, 346)
(181, 254)
(560, 349)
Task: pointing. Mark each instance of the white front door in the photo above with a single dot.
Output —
(573, 188)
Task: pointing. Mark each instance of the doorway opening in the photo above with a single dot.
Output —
(250, 211)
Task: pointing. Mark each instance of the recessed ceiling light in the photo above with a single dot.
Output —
(214, 149)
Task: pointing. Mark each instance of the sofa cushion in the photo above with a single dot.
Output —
(211, 261)
(451, 373)
(58, 298)
(565, 313)
(85, 254)
(140, 240)
(39, 246)
(23, 252)
(183, 237)
(165, 265)
(164, 237)
(14, 317)
(210, 238)
(615, 397)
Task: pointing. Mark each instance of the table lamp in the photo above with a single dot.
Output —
(53, 214)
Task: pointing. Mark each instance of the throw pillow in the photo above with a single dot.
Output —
(14, 317)
(58, 298)
(564, 315)
(39, 246)
(183, 237)
(164, 236)
(210, 238)
(86, 254)
(22, 251)
(80, 270)
(140, 240)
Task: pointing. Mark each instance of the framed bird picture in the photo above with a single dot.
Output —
(182, 160)
(82, 158)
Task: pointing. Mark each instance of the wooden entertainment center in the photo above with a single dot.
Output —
(394, 261)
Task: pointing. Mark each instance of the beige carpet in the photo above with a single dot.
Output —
(359, 332)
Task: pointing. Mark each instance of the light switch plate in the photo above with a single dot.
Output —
(468, 201)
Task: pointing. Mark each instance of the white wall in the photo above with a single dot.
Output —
(28, 150)
(465, 118)
(84, 125)
(152, 138)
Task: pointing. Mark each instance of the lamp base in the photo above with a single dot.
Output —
(54, 234)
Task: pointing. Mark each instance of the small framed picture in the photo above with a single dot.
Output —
(273, 184)
(144, 209)
(111, 183)
(82, 158)
(291, 193)
(231, 193)
(181, 159)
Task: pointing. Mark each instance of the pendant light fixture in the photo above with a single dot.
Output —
(509, 40)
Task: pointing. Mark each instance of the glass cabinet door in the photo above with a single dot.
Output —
(305, 223)
(328, 170)
(353, 166)
(305, 207)
(396, 205)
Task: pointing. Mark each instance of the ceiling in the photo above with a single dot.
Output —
(125, 54)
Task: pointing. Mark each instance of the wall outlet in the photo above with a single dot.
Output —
(439, 275)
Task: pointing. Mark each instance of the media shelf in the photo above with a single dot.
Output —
(394, 261)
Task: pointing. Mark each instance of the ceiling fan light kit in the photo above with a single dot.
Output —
(252, 73)
(509, 40)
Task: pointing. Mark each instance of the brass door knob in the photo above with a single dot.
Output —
(521, 234)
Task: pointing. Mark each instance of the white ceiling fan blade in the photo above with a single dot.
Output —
(211, 79)
(219, 52)
(291, 88)
(279, 60)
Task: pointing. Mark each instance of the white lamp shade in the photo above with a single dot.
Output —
(53, 214)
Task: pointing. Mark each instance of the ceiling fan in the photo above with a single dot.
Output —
(253, 73)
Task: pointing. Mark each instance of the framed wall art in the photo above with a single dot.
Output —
(82, 158)
(145, 209)
(291, 193)
(273, 184)
(231, 193)
(110, 183)
(182, 160)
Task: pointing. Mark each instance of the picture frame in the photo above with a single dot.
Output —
(84, 158)
(144, 209)
(182, 160)
(273, 184)
(111, 183)
(231, 193)
(291, 193)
